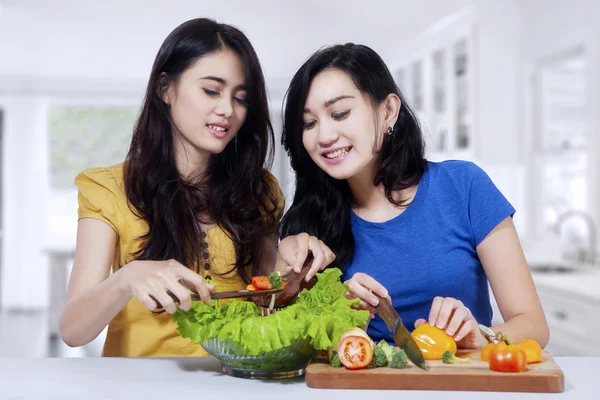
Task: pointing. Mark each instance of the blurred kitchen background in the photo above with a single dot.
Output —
(513, 85)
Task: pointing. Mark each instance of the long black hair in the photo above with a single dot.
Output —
(322, 205)
(234, 193)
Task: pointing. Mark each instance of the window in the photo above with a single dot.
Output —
(81, 137)
(86, 136)
(562, 142)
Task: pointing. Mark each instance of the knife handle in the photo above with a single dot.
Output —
(386, 311)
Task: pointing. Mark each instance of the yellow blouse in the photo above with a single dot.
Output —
(136, 331)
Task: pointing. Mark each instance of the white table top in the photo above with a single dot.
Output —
(197, 378)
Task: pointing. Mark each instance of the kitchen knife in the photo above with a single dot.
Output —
(401, 335)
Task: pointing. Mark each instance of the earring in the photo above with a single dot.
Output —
(390, 130)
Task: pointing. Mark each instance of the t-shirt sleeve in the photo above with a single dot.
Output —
(487, 205)
(98, 196)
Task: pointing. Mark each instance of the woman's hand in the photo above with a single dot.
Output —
(457, 320)
(293, 252)
(153, 283)
(364, 287)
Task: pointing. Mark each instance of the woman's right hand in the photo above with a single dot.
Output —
(363, 287)
(151, 282)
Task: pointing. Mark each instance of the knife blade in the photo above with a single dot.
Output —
(401, 335)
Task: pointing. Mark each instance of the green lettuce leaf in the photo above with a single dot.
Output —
(320, 315)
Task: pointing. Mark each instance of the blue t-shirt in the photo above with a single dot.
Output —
(429, 249)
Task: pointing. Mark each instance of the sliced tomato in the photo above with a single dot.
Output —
(355, 352)
(262, 283)
(356, 331)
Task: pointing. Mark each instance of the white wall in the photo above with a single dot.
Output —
(25, 187)
(552, 29)
(499, 77)
(499, 81)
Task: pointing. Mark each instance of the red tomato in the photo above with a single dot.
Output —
(262, 283)
(509, 358)
(355, 352)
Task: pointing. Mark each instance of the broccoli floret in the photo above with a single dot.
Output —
(399, 359)
(335, 360)
(450, 358)
(379, 357)
(275, 280)
(386, 349)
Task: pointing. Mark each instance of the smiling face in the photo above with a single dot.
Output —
(341, 131)
(208, 104)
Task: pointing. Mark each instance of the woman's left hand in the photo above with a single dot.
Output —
(293, 251)
(457, 320)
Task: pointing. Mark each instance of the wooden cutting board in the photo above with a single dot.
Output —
(544, 377)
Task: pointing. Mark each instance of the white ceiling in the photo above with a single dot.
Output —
(118, 39)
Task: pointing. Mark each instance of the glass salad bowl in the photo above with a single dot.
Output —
(287, 362)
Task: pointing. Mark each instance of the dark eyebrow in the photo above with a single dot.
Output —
(224, 82)
(329, 103)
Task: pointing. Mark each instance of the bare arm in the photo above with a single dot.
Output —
(509, 276)
(93, 297)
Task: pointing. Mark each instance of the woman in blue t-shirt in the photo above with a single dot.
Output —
(428, 235)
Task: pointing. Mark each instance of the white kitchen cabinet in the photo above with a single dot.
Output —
(438, 81)
(464, 76)
(573, 321)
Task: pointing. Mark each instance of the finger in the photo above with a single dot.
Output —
(459, 316)
(204, 291)
(371, 284)
(329, 255)
(469, 326)
(435, 310)
(301, 251)
(420, 322)
(192, 286)
(448, 306)
(362, 305)
(318, 257)
(197, 283)
(159, 292)
(363, 293)
(182, 294)
(144, 297)
(178, 292)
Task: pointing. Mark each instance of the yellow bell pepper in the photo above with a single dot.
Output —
(532, 350)
(433, 341)
(487, 350)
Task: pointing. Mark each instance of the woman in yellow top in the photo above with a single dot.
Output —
(191, 200)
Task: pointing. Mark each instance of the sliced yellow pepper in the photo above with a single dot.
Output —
(532, 350)
(433, 341)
